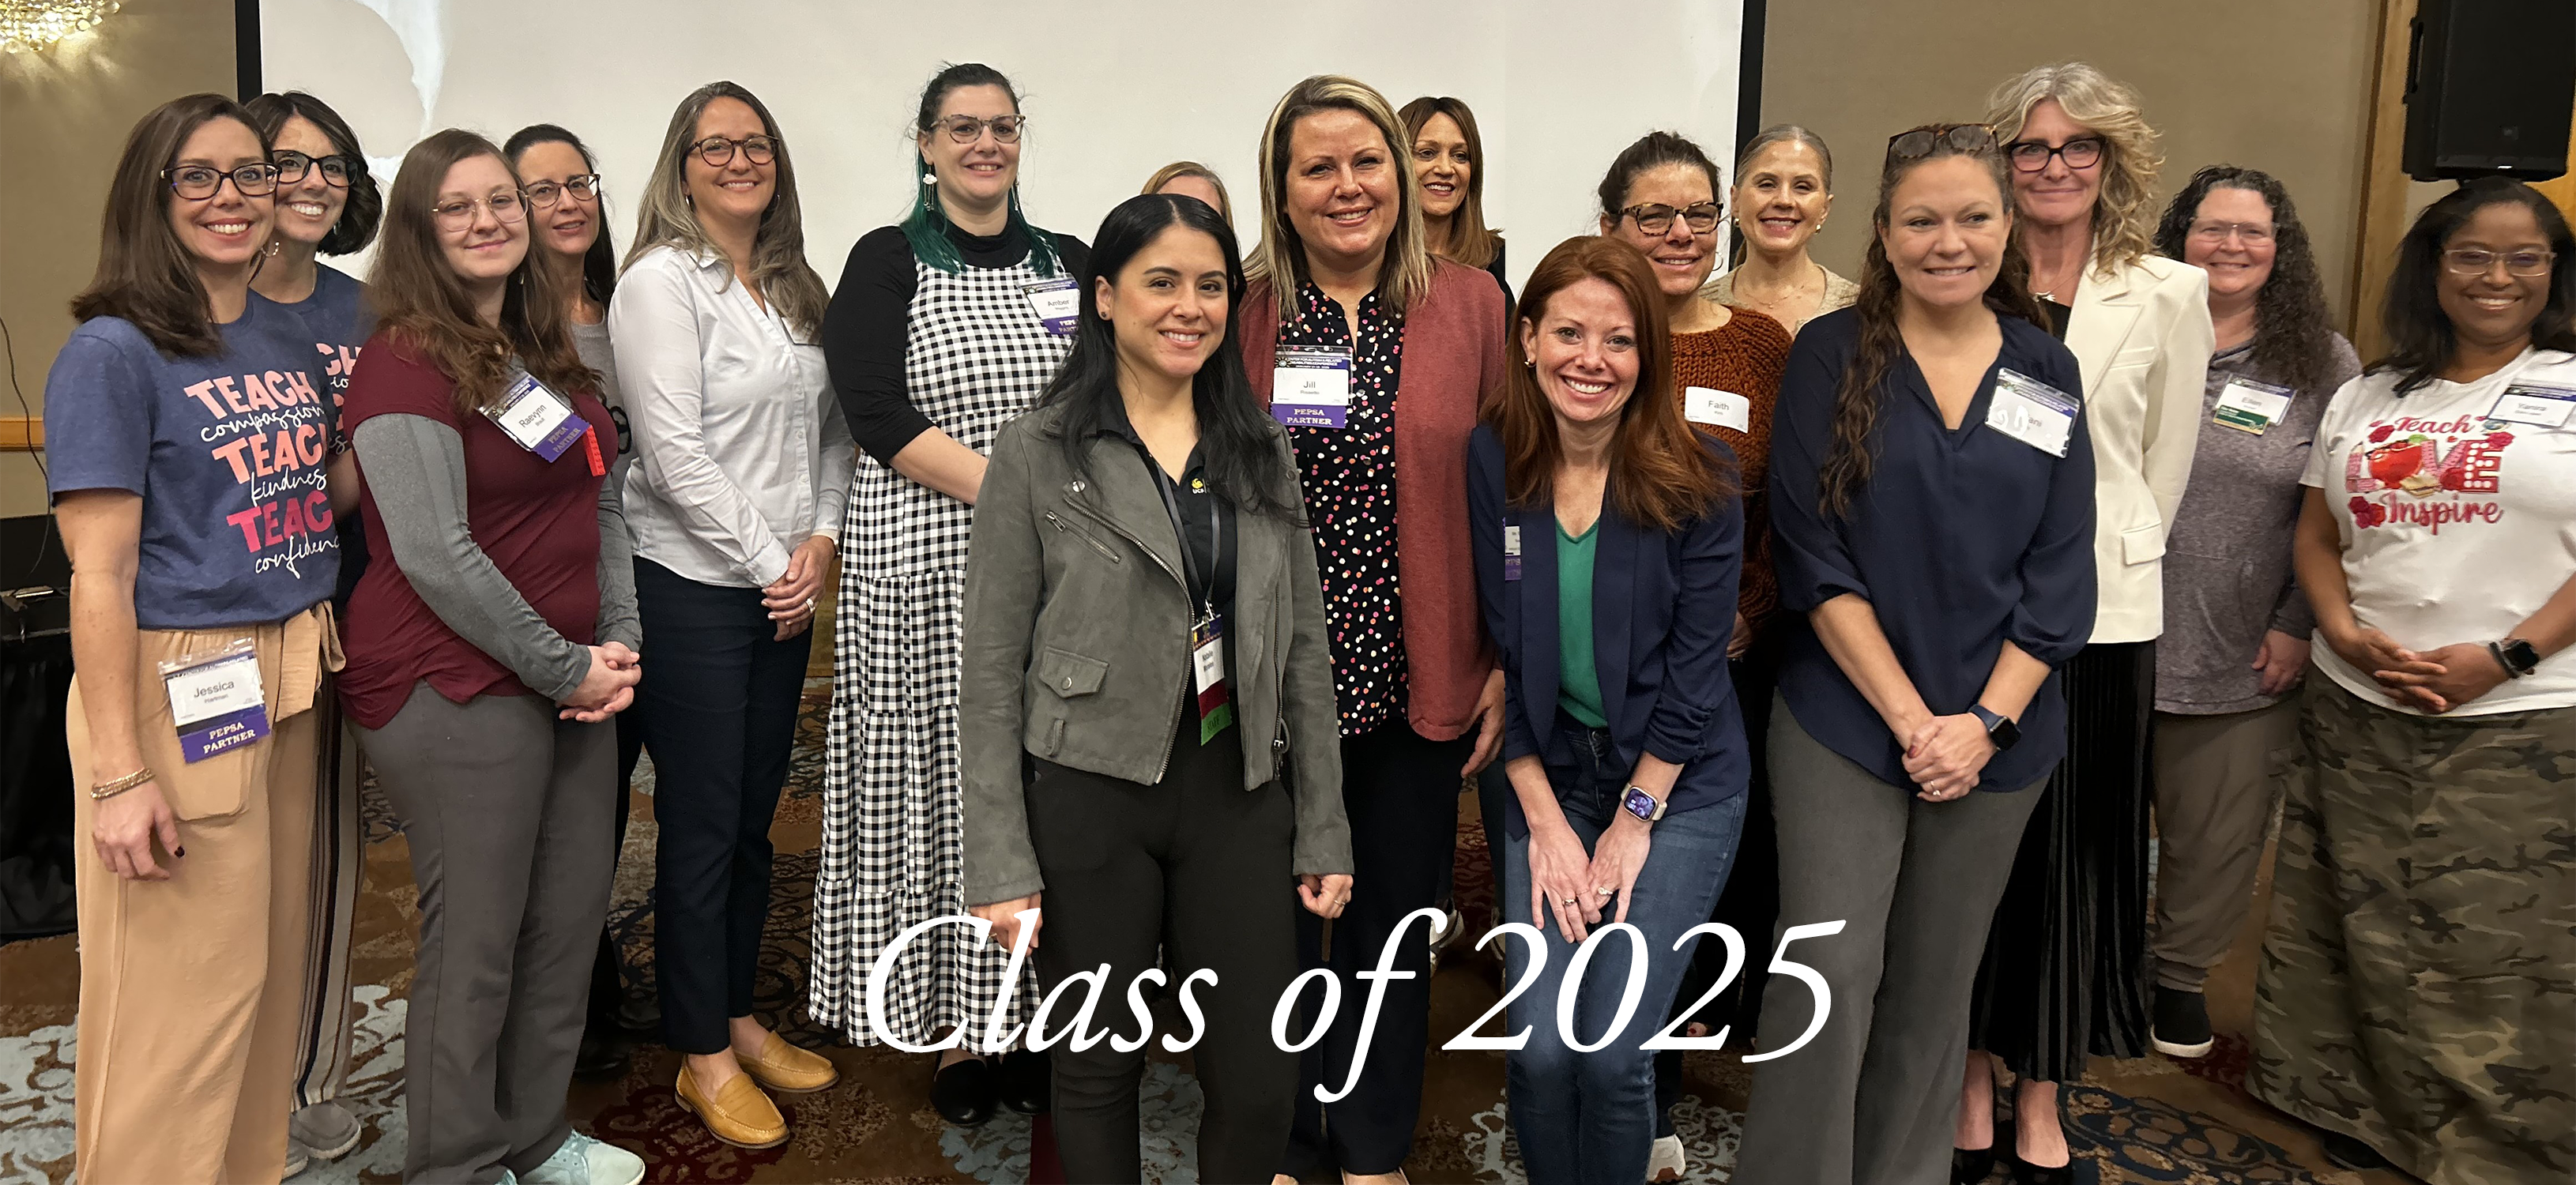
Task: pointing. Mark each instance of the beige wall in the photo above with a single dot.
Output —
(63, 117)
(2279, 85)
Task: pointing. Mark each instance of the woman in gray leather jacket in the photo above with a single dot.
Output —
(1144, 660)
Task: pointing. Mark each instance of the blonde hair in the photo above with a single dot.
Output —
(2124, 216)
(1190, 168)
(1405, 275)
(664, 217)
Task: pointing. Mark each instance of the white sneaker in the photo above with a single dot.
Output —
(326, 1129)
(1665, 1162)
(297, 1159)
(585, 1161)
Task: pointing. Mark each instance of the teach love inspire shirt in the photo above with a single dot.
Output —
(2457, 507)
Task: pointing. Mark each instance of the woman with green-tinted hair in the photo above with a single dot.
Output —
(945, 326)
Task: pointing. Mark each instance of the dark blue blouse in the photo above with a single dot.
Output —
(1962, 540)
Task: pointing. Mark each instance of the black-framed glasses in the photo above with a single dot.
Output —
(2031, 156)
(292, 167)
(457, 214)
(1656, 218)
(2470, 261)
(966, 129)
(717, 151)
(1916, 143)
(581, 186)
(199, 182)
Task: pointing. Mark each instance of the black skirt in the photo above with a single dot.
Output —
(2064, 974)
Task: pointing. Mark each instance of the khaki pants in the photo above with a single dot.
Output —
(190, 987)
(2218, 780)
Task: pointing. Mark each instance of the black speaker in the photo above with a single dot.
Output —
(2490, 85)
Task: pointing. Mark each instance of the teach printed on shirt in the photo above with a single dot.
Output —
(276, 433)
(2430, 473)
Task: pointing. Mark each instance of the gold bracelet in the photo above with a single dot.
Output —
(107, 790)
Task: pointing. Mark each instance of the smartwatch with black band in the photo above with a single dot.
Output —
(1999, 728)
(2515, 655)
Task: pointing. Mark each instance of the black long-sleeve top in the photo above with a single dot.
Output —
(1961, 541)
(867, 329)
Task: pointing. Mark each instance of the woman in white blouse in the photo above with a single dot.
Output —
(2059, 983)
(743, 467)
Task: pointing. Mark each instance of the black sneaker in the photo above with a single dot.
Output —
(2182, 1023)
(2349, 1153)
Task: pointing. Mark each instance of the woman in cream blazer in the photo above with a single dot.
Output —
(2062, 966)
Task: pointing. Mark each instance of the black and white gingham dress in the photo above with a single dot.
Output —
(893, 856)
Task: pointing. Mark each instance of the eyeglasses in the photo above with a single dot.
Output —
(199, 182)
(1973, 138)
(2254, 234)
(966, 129)
(2031, 156)
(336, 170)
(2469, 261)
(1655, 218)
(717, 151)
(582, 187)
(506, 206)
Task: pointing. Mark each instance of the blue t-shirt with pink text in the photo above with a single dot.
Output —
(228, 452)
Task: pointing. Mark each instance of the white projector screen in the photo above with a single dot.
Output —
(1113, 88)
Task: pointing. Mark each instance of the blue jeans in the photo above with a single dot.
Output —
(1590, 1117)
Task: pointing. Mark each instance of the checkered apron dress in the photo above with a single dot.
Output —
(893, 856)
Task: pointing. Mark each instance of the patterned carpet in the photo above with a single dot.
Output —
(2149, 1120)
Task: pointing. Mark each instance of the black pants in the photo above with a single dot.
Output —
(1195, 868)
(1401, 792)
(718, 704)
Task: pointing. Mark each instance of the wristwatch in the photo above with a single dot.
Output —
(1641, 804)
(1999, 728)
(2516, 656)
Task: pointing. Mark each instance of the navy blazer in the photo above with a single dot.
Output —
(1663, 611)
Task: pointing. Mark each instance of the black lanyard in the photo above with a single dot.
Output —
(1201, 585)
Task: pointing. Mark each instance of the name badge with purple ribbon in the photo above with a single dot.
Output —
(537, 419)
(1057, 302)
(216, 701)
(1511, 551)
(1311, 388)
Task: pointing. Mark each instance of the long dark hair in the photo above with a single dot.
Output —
(599, 264)
(926, 227)
(1854, 450)
(1661, 475)
(366, 206)
(426, 308)
(2421, 343)
(1470, 241)
(144, 274)
(2293, 337)
(1243, 464)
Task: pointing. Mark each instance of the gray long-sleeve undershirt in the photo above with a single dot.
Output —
(415, 468)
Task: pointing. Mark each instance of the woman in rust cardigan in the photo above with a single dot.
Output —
(1377, 355)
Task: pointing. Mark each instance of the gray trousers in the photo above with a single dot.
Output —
(2218, 780)
(1873, 1099)
(508, 812)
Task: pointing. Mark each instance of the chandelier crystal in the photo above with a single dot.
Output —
(29, 25)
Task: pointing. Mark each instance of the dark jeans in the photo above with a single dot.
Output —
(1589, 1117)
(1197, 869)
(718, 703)
(1401, 793)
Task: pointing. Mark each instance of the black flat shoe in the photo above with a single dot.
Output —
(2349, 1153)
(604, 1054)
(964, 1092)
(2076, 1171)
(1971, 1166)
(1027, 1082)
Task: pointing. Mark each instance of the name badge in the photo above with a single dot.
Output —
(1511, 552)
(1207, 674)
(1311, 388)
(216, 701)
(1057, 302)
(2249, 406)
(2544, 407)
(2031, 412)
(537, 419)
(1725, 409)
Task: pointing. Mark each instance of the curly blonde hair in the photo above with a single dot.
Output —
(2124, 216)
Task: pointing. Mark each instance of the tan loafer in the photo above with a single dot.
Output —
(740, 1115)
(785, 1068)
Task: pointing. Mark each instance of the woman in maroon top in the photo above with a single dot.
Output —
(485, 660)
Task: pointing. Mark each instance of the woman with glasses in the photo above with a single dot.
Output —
(2236, 625)
(742, 468)
(1189, 178)
(327, 204)
(194, 897)
(2424, 894)
(1784, 186)
(1449, 164)
(569, 233)
(1932, 508)
(2063, 975)
(487, 648)
(944, 327)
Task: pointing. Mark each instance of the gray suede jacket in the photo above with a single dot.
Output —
(1076, 648)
